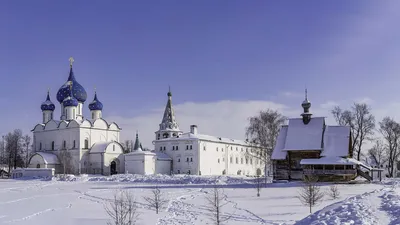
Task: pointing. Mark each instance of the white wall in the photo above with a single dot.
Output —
(140, 163)
(163, 167)
(205, 156)
(32, 172)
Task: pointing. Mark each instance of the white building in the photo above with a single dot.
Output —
(83, 145)
(194, 153)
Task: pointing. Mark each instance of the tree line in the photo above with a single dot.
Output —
(16, 149)
(263, 130)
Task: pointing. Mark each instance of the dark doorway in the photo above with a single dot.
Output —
(113, 168)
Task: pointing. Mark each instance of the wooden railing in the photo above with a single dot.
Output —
(311, 171)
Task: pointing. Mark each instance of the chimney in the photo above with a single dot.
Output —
(193, 129)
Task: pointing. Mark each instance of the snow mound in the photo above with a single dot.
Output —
(352, 211)
(391, 205)
(160, 179)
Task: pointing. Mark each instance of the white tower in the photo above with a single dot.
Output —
(47, 109)
(96, 108)
(169, 126)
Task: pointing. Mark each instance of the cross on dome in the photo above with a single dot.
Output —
(71, 61)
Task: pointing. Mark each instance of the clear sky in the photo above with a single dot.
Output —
(224, 60)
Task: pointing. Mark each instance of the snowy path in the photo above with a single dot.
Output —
(379, 207)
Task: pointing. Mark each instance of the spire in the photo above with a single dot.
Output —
(169, 121)
(71, 61)
(138, 145)
(48, 94)
(169, 94)
(306, 109)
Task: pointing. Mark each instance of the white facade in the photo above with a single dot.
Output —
(92, 146)
(194, 153)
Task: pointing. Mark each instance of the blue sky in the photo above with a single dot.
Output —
(208, 51)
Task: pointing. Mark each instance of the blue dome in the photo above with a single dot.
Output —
(48, 105)
(70, 100)
(96, 104)
(78, 91)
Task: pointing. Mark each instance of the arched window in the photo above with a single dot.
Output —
(86, 143)
(113, 148)
(64, 144)
(237, 160)
(52, 145)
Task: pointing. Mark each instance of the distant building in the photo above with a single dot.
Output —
(195, 153)
(83, 145)
(307, 146)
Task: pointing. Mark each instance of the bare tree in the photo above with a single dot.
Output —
(157, 200)
(122, 209)
(361, 122)
(65, 160)
(128, 145)
(258, 185)
(390, 131)
(334, 191)
(263, 131)
(310, 193)
(26, 143)
(378, 153)
(13, 149)
(216, 200)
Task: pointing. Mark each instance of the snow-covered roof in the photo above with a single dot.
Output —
(162, 155)
(48, 158)
(336, 141)
(191, 136)
(328, 161)
(100, 146)
(278, 154)
(138, 152)
(302, 136)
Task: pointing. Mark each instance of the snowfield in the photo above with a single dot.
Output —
(80, 200)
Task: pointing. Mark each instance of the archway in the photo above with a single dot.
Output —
(258, 172)
(239, 172)
(38, 166)
(113, 168)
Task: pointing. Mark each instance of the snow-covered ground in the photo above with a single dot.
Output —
(80, 201)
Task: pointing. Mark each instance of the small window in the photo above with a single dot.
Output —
(204, 147)
(237, 160)
(188, 171)
(190, 146)
(64, 145)
(160, 148)
(231, 160)
(113, 148)
(179, 171)
(74, 144)
(241, 150)
(223, 159)
(217, 149)
(247, 161)
(237, 148)
(173, 148)
(176, 148)
(86, 143)
(251, 161)
(187, 159)
(187, 147)
(179, 160)
(38, 166)
(164, 148)
(218, 161)
(52, 145)
(241, 160)
(191, 159)
(40, 146)
(231, 148)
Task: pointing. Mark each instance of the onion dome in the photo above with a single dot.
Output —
(95, 104)
(48, 104)
(70, 100)
(78, 91)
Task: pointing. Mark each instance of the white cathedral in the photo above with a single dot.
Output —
(83, 145)
(92, 146)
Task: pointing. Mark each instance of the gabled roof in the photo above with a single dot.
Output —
(278, 154)
(336, 141)
(302, 136)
